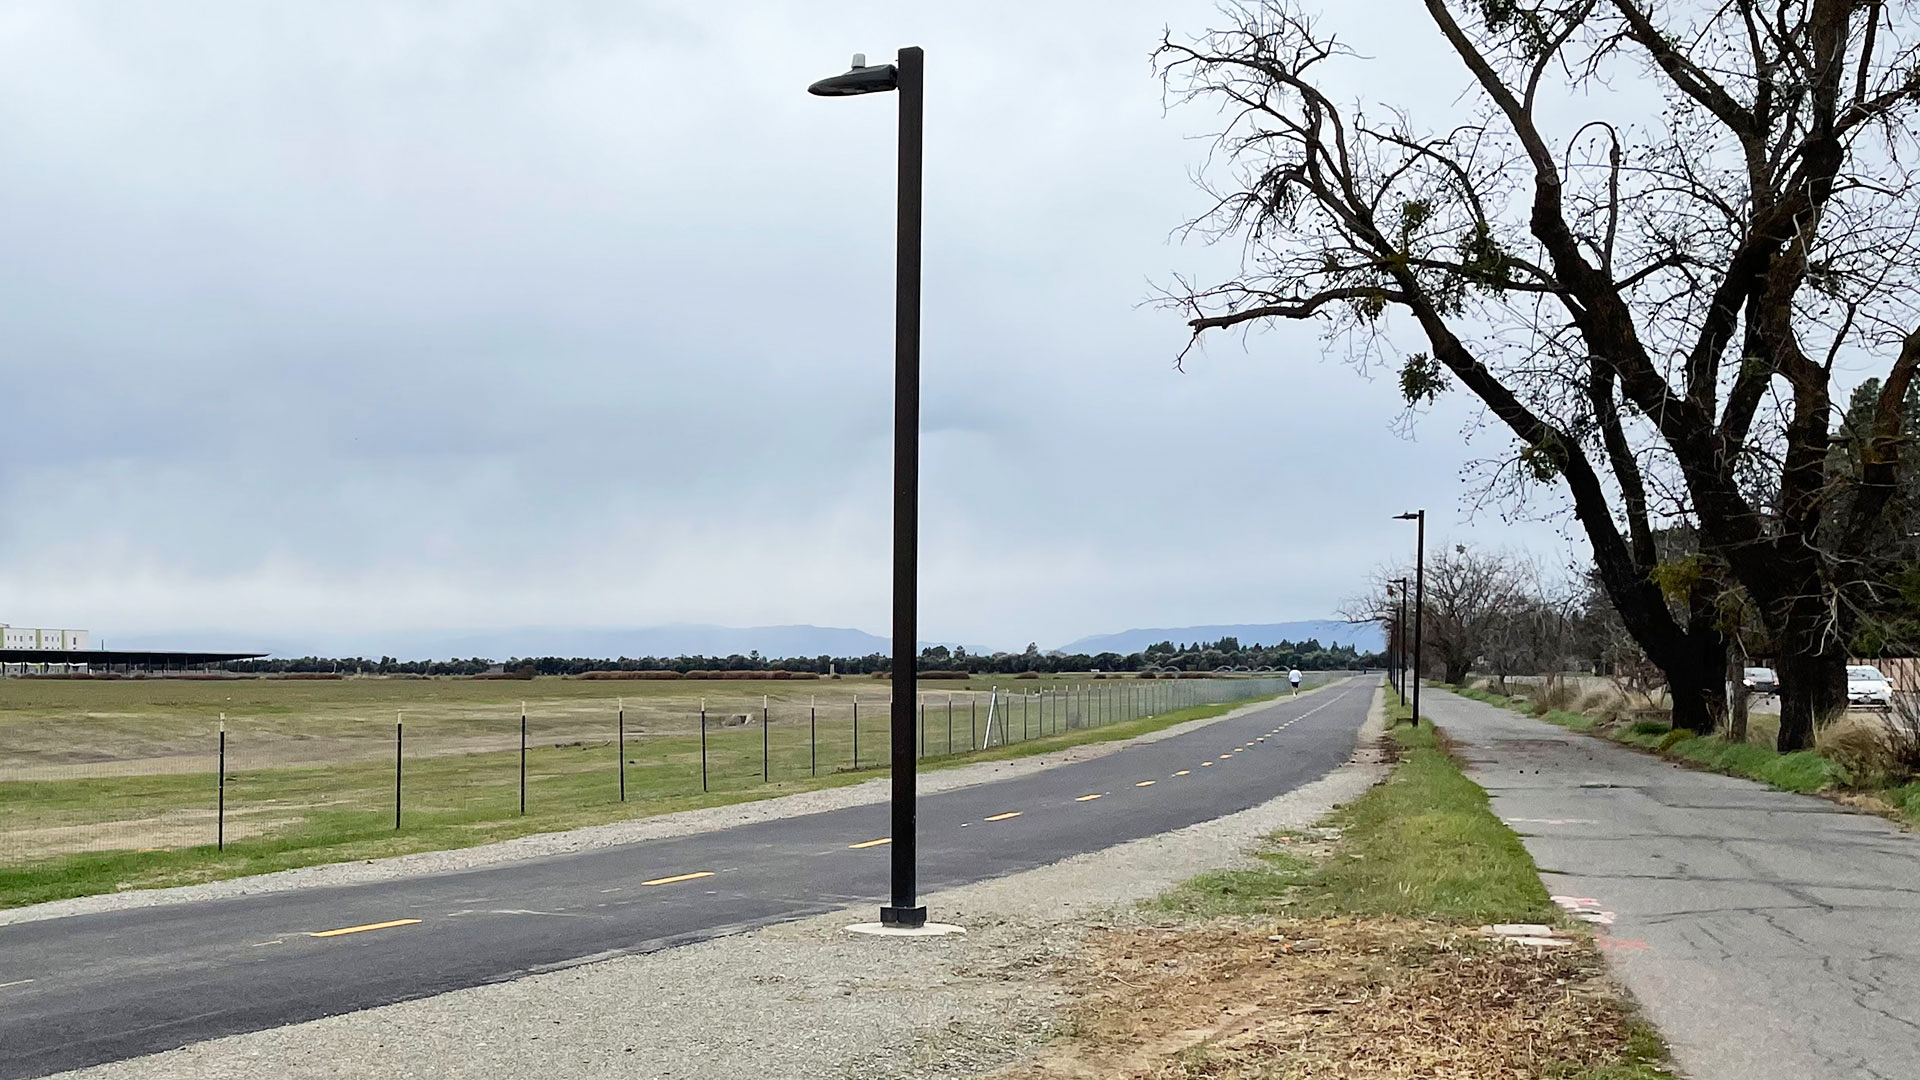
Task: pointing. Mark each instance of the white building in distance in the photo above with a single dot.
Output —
(17, 638)
(21, 637)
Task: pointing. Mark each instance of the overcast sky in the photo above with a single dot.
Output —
(324, 322)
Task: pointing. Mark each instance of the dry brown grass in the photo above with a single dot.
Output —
(1877, 750)
(1558, 694)
(1609, 705)
(1336, 998)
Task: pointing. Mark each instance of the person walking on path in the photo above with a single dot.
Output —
(1769, 936)
(1293, 676)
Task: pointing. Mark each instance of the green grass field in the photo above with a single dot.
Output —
(113, 785)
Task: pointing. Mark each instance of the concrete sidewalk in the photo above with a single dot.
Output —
(1768, 935)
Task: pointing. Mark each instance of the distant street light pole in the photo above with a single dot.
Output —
(1419, 597)
(1400, 640)
(909, 78)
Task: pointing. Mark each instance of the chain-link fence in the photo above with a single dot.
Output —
(109, 782)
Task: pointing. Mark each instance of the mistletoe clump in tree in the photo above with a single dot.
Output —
(1656, 303)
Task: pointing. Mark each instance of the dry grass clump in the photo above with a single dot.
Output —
(1876, 750)
(1609, 706)
(1354, 999)
(1558, 694)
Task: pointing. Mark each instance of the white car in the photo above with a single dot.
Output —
(1866, 687)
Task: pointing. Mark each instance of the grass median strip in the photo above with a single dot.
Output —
(1355, 950)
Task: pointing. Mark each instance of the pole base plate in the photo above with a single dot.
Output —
(904, 917)
(932, 929)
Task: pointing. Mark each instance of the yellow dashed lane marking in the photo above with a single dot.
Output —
(1183, 772)
(873, 843)
(1224, 757)
(16, 982)
(1206, 764)
(364, 929)
(1146, 783)
(1086, 798)
(678, 877)
(1005, 816)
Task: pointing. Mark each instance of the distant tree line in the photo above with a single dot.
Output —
(359, 665)
(1226, 653)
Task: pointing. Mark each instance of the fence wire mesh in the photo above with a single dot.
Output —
(123, 769)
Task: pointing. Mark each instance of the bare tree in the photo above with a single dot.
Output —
(1477, 602)
(1538, 634)
(1652, 305)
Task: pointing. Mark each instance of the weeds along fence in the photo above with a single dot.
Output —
(257, 784)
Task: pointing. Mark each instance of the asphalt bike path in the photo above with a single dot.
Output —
(1768, 935)
(95, 988)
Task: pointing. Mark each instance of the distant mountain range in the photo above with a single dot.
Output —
(681, 639)
(1367, 637)
(699, 639)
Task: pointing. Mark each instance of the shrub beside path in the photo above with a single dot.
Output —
(1768, 935)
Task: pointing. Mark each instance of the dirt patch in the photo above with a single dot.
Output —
(1342, 998)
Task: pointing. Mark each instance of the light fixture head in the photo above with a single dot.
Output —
(858, 79)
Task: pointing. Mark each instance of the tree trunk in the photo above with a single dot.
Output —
(1737, 711)
(1813, 690)
(1699, 692)
(1456, 672)
(1696, 671)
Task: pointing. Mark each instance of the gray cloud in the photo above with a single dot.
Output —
(344, 320)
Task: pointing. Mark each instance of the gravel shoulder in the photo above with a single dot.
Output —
(656, 827)
(800, 1000)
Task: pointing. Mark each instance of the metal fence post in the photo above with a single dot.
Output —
(856, 733)
(398, 742)
(523, 758)
(622, 722)
(220, 814)
(703, 744)
(949, 722)
(765, 771)
(973, 723)
(813, 735)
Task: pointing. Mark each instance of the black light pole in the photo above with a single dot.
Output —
(1419, 597)
(1400, 635)
(908, 77)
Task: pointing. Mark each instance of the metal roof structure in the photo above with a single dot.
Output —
(136, 659)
